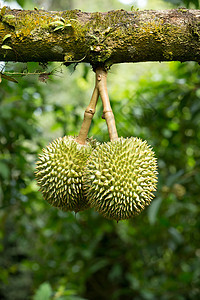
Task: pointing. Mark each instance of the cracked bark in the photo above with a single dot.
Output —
(101, 39)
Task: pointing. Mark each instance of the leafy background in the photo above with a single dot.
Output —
(49, 254)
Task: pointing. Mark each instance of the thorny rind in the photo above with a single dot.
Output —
(102, 39)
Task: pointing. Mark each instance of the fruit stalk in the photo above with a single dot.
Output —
(88, 115)
(101, 82)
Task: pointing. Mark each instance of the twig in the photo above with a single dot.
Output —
(88, 115)
(101, 78)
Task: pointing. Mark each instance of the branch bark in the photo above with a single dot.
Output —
(101, 39)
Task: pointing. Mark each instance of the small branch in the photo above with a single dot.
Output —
(25, 74)
(100, 89)
(101, 78)
(88, 115)
(30, 73)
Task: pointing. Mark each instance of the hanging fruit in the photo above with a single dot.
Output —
(60, 171)
(116, 178)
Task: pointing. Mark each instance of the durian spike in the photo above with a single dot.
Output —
(88, 115)
(101, 79)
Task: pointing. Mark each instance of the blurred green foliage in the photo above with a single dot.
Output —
(185, 3)
(49, 254)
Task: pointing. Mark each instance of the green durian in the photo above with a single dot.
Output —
(120, 178)
(59, 173)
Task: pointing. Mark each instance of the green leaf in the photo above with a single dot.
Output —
(177, 236)
(73, 20)
(59, 28)
(4, 170)
(44, 292)
(6, 37)
(9, 16)
(6, 47)
(3, 10)
(153, 210)
(56, 23)
(96, 38)
(63, 20)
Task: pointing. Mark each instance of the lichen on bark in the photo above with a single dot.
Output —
(101, 39)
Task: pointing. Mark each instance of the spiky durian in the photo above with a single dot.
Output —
(59, 173)
(120, 177)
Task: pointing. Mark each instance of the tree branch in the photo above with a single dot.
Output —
(101, 39)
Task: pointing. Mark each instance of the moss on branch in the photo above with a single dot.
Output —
(100, 39)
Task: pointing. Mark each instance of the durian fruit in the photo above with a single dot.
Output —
(59, 173)
(120, 178)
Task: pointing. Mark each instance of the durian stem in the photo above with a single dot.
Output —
(88, 115)
(101, 79)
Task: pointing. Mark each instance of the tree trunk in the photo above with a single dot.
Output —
(101, 39)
